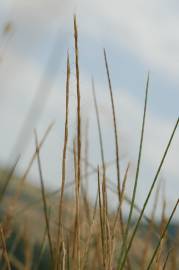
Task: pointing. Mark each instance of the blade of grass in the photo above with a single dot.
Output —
(99, 126)
(118, 215)
(63, 160)
(78, 132)
(162, 235)
(90, 234)
(166, 260)
(115, 127)
(109, 245)
(149, 194)
(44, 197)
(85, 184)
(122, 197)
(116, 148)
(24, 177)
(161, 228)
(150, 227)
(123, 249)
(101, 218)
(104, 191)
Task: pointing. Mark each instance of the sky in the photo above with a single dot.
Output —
(139, 37)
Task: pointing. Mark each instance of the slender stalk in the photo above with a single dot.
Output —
(44, 197)
(63, 161)
(116, 149)
(166, 260)
(24, 177)
(101, 218)
(78, 125)
(115, 126)
(90, 235)
(123, 249)
(104, 191)
(76, 203)
(85, 184)
(150, 226)
(122, 197)
(99, 127)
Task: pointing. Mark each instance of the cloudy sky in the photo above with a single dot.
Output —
(139, 36)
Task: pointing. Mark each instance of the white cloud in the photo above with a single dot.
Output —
(148, 29)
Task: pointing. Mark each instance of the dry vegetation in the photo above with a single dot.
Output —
(74, 233)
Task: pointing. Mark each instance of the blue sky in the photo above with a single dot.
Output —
(139, 36)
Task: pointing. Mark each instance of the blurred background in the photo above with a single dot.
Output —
(139, 36)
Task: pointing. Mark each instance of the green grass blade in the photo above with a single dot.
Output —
(44, 198)
(136, 176)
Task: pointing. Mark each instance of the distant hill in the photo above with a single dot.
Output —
(23, 221)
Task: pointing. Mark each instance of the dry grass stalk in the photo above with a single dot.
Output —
(162, 245)
(87, 246)
(101, 219)
(115, 128)
(104, 190)
(63, 256)
(76, 241)
(24, 177)
(118, 211)
(59, 238)
(117, 150)
(78, 136)
(166, 260)
(84, 177)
